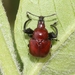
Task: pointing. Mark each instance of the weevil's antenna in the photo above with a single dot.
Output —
(50, 15)
(31, 14)
(39, 16)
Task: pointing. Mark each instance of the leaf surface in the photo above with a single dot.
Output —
(62, 56)
(8, 63)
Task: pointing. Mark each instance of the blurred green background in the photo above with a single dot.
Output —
(11, 7)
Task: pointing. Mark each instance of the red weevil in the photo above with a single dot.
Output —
(40, 42)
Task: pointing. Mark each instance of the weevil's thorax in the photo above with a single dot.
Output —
(40, 33)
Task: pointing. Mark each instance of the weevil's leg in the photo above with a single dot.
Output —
(53, 35)
(28, 45)
(28, 31)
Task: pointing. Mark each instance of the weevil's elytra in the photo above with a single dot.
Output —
(40, 42)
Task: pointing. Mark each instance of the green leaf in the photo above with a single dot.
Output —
(61, 61)
(8, 63)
